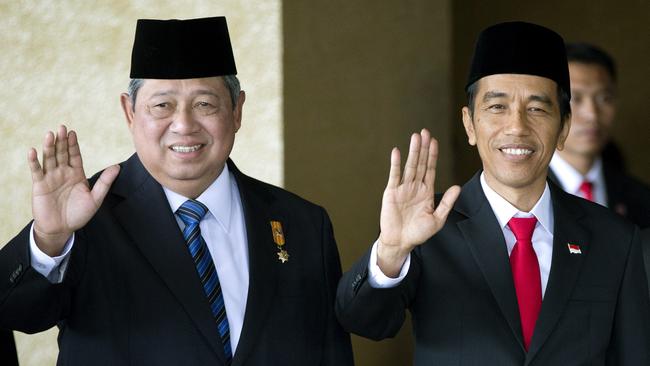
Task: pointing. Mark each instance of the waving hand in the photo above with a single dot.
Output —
(408, 213)
(62, 201)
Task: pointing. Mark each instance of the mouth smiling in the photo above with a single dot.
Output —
(516, 151)
(186, 148)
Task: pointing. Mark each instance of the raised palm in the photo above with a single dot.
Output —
(408, 214)
(62, 201)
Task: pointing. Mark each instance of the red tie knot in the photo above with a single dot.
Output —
(587, 190)
(523, 227)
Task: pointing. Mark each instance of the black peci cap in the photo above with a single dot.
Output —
(182, 49)
(520, 48)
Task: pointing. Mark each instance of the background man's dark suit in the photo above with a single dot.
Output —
(460, 292)
(626, 195)
(131, 294)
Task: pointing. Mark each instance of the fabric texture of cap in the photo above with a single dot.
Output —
(520, 48)
(182, 49)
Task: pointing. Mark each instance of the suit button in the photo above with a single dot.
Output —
(357, 281)
(16, 273)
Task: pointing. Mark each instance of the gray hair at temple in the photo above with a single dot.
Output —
(232, 83)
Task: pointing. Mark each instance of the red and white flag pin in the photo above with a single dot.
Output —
(574, 248)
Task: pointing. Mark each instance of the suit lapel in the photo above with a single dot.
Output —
(146, 217)
(485, 238)
(263, 263)
(565, 267)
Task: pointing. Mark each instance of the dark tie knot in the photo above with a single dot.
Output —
(523, 227)
(191, 212)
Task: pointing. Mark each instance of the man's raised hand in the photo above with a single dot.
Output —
(62, 201)
(408, 214)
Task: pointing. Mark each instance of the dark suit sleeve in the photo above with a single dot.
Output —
(372, 312)
(338, 349)
(28, 301)
(630, 343)
(8, 356)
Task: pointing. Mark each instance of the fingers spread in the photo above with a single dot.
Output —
(423, 155)
(394, 174)
(412, 159)
(100, 189)
(74, 151)
(49, 160)
(34, 166)
(432, 162)
(61, 146)
(446, 203)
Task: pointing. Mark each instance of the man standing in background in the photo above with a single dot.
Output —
(581, 168)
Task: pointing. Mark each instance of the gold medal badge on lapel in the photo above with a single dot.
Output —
(278, 239)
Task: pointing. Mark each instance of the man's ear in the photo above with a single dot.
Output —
(237, 112)
(564, 132)
(127, 108)
(468, 123)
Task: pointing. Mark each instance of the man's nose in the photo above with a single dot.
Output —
(587, 110)
(517, 123)
(184, 122)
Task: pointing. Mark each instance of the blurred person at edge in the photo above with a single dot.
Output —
(590, 165)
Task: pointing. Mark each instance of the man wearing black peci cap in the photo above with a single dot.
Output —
(510, 269)
(174, 257)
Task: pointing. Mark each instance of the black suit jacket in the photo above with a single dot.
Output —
(626, 195)
(645, 240)
(8, 354)
(131, 294)
(461, 296)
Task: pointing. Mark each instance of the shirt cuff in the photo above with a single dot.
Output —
(377, 279)
(53, 268)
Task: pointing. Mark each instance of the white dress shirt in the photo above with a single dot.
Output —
(570, 179)
(224, 231)
(542, 236)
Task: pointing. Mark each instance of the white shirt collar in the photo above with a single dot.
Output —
(217, 197)
(504, 210)
(570, 178)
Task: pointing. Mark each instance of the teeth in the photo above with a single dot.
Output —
(186, 149)
(517, 151)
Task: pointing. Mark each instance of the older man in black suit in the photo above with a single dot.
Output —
(510, 270)
(174, 257)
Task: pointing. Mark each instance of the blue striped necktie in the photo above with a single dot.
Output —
(192, 212)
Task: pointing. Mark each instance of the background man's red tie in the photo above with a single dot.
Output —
(587, 190)
(525, 273)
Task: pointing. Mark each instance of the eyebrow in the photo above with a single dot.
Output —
(194, 93)
(493, 94)
(540, 98)
(533, 98)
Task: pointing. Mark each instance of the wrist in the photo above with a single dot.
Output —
(50, 244)
(391, 258)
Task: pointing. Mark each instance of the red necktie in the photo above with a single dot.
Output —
(587, 190)
(525, 273)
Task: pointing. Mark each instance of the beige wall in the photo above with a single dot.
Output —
(67, 62)
(359, 78)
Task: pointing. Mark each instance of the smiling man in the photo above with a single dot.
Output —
(174, 257)
(510, 269)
